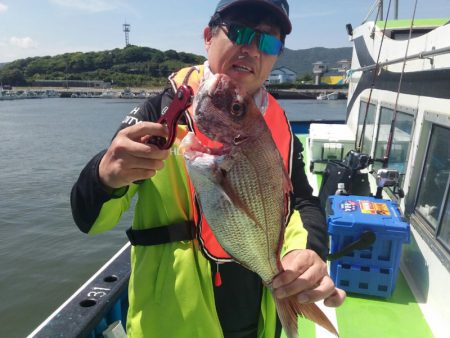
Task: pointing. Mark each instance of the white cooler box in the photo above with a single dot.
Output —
(328, 142)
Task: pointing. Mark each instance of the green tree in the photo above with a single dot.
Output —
(13, 77)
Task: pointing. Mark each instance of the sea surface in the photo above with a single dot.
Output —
(44, 144)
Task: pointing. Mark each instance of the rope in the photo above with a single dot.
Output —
(375, 74)
(394, 118)
(377, 3)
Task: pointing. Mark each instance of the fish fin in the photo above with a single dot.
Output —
(236, 200)
(314, 313)
(287, 189)
(289, 308)
(222, 171)
(287, 183)
(287, 313)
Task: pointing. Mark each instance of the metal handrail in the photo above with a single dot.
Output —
(421, 55)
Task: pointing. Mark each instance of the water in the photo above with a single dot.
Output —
(309, 110)
(44, 144)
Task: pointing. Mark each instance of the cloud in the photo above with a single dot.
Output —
(25, 43)
(93, 6)
(3, 8)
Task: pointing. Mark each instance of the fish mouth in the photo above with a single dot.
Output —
(194, 148)
(191, 148)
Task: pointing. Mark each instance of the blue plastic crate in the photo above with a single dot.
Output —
(374, 270)
(365, 280)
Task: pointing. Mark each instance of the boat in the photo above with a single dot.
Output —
(109, 94)
(328, 96)
(127, 94)
(398, 128)
(398, 113)
(7, 95)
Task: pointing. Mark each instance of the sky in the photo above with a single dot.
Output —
(50, 27)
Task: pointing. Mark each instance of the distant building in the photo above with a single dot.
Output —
(282, 75)
(319, 68)
(344, 66)
(330, 75)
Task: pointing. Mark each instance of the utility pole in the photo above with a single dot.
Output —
(126, 29)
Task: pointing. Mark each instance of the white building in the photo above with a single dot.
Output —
(282, 75)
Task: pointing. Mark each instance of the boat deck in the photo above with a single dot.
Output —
(103, 300)
(363, 316)
(369, 317)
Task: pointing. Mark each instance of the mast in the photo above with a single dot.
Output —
(381, 9)
(395, 9)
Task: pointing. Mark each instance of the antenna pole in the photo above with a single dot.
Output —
(126, 29)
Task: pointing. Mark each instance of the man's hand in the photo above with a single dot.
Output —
(129, 159)
(306, 277)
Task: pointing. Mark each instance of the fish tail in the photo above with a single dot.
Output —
(289, 308)
(287, 313)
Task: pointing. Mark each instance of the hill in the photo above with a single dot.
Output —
(135, 66)
(300, 61)
(130, 66)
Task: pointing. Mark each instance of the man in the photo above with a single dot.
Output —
(171, 292)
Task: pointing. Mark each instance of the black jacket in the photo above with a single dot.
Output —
(237, 303)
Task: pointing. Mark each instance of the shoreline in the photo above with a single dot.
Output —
(27, 92)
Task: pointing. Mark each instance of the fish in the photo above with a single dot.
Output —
(243, 187)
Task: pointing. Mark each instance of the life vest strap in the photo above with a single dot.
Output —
(182, 231)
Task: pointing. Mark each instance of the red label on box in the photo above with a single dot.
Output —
(372, 208)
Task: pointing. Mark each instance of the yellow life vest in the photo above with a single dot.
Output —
(170, 290)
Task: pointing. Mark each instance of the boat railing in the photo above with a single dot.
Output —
(101, 301)
(421, 55)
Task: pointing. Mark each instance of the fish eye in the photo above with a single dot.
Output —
(237, 109)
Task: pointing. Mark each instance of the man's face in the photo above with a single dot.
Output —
(246, 64)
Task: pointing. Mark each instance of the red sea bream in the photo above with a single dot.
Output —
(243, 186)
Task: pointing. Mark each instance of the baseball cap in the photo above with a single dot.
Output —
(280, 9)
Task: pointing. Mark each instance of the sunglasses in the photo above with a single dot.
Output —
(242, 35)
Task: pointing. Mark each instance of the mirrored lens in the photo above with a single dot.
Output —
(243, 35)
(267, 43)
(270, 44)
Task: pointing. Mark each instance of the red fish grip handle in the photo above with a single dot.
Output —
(181, 101)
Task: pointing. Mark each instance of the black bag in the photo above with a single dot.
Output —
(336, 172)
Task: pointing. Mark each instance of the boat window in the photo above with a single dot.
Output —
(384, 127)
(369, 127)
(433, 190)
(401, 139)
(444, 232)
(402, 35)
